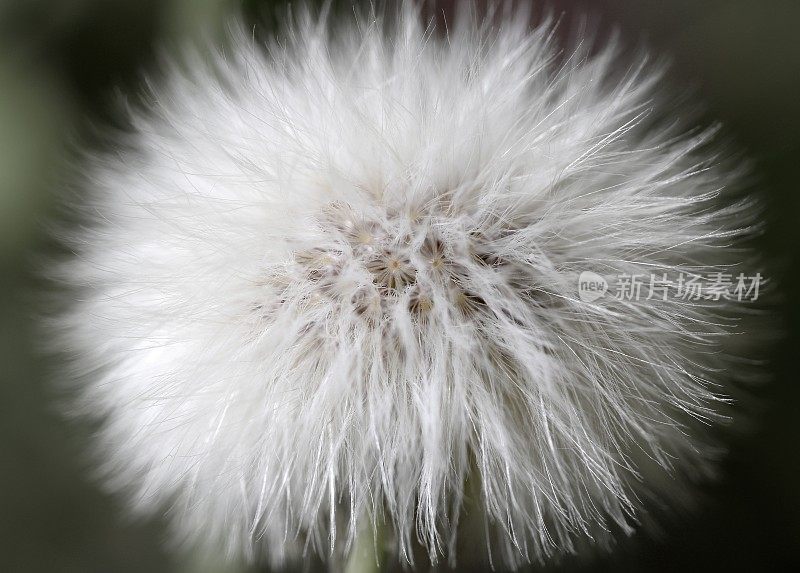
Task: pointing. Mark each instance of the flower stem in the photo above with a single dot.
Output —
(367, 554)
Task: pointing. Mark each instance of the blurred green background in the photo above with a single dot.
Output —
(61, 64)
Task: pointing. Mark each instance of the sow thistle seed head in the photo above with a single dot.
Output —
(332, 284)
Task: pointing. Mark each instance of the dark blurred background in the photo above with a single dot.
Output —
(63, 62)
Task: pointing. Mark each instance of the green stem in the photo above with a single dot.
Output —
(367, 553)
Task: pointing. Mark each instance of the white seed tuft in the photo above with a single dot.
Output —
(334, 280)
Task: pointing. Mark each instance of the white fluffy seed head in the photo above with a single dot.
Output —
(332, 282)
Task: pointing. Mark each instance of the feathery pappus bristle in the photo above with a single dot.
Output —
(334, 281)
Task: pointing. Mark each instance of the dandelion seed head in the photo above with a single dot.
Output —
(331, 281)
